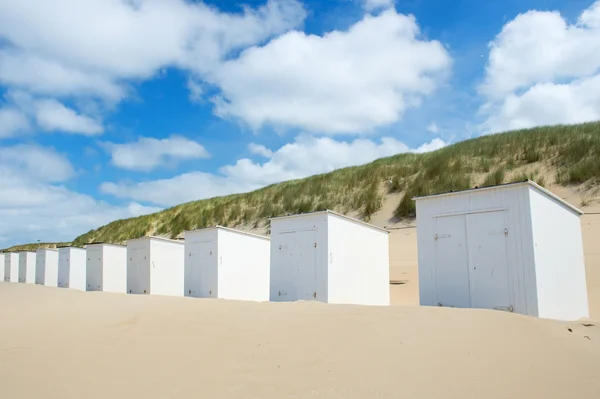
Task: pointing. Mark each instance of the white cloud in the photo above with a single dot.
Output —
(342, 82)
(148, 153)
(52, 115)
(33, 208)
(591, 16)
(72, 47)
(549, 104)
(371, 5)
(543, 70)
(433, 128)
(35, 162)
(261, 150)
(25, 112)
(12, 121)
(304, 157)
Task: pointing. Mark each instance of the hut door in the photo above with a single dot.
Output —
(306, 282)
(452, 269)
(488, 261)
(204, 270)
(287, 273)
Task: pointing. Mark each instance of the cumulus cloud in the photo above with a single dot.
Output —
(70, 47)
(12, 121)
(543, 70)
(371, 5)
(259, 149)
(24, 112)
(33, 206)
(343, 82)
(304, 157)
(148, 153)
(51, 115)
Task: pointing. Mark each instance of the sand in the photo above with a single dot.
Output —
(60, 343)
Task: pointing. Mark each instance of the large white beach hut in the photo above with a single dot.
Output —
(225, 263)
(46, 267)
(27, 267)
(155, 266)
(72, 268)
(329, 257)
(11, 267)
(514, 247)
(106, 267)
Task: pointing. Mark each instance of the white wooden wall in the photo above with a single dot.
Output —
(93, 272)
(200, 264)
(244, 267)
(27, 267)
(72, 268)
(106, 268)
(12, 261)
(46, 272)
(287, 235)
(359, 266)
(559, 259)
(166, 267)
(514, 202)
(114, 269)
(6, 267)
(138, 269)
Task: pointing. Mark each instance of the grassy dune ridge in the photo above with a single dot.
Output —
(570, 152)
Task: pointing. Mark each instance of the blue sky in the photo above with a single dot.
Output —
(112, 109)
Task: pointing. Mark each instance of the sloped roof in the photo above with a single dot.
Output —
(530, 183)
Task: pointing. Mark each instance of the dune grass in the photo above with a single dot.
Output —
(34, 246)
(572, 152)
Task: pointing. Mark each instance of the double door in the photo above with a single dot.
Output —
(298, 266)
(471, 261)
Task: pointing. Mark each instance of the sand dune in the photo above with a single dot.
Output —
(59, 343)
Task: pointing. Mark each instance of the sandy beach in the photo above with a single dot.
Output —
(60, 343)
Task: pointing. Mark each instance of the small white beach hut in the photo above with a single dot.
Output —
(514, 247)
(155, 266)
(225, 263)
(11, 266)
(106, 267)
(329, 257)
(46, 267)
(5, 267)
(72, 268)
(27, 267)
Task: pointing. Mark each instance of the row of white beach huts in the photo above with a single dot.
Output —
(514, 247)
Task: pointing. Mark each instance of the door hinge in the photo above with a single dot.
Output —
(314, 294)
(505, 232)
(315, 245)
(505, 308)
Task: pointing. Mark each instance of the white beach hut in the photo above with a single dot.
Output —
(155, 266)
(46, 267)
(5, 267)
(225, 263)
(329, 257)
(11, 266)
(72, 268)
(27, 267)
(514, 247)
(106, 267)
